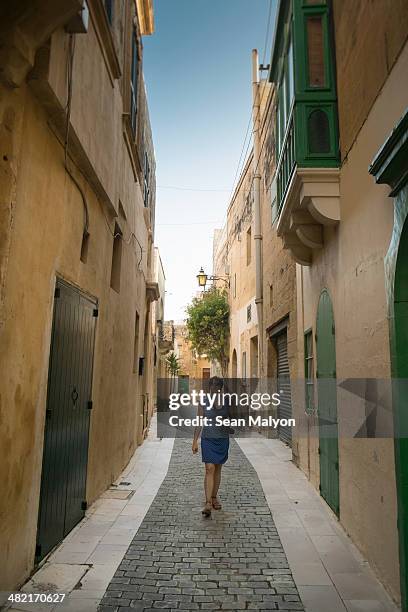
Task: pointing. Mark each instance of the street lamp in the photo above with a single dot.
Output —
(202, 278)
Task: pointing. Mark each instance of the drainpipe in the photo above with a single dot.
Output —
(256, 111)
(302, 337)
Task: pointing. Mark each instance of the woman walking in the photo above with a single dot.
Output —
(214, 445)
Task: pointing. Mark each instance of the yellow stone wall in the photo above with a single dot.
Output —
(41, 224)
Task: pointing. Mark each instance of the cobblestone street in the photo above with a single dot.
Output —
(144, 544)
(180, 560)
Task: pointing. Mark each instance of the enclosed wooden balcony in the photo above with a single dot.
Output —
(307, 151)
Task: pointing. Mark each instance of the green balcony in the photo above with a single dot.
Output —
(307, 151)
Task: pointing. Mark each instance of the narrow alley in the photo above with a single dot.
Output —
(204, 305)
(144, 545)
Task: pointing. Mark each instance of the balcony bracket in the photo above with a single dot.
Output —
(325, 210)
(152, 291)
(25, 27)
(307, 230)
(299, 251)
(312, 202)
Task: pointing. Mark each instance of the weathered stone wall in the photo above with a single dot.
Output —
(240, 221)
(279, 270)
(369, 37)
(351, 267)
(42, 222)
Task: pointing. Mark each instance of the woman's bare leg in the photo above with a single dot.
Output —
(216, 480)
(209, 481)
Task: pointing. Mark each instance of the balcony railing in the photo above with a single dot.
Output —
(287, 162)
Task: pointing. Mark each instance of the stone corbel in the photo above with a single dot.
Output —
(147, 213)
(301, 253)
(25, 27)
(325, 210)
(320, 194)
(307, 230)
(312, 202)
(152, 291)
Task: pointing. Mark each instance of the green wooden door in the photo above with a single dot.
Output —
(65, 454)
(327, 402)
(400, 394)
(183, 384)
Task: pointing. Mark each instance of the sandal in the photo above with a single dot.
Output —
(207, 509)
(216, 504)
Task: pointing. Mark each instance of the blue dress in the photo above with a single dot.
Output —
(215, 438)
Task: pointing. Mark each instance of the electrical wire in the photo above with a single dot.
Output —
(188, 188)
(70, 66)
(187, 223)
(241, 157)
(245, 146)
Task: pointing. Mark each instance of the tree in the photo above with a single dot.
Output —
(173, 363)
(173, 367)
(208, 326)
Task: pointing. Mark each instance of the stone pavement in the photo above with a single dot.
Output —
(182, 561)
(328, 571)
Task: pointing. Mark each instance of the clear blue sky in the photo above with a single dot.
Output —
(197, 68)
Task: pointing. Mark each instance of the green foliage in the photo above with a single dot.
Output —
(208, 325)
(173, 364)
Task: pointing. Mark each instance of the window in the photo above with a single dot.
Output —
(286, 93)
(284, 99)
(248, 246)
(270, 295)
(136, 345)
(274, 202)
(274, 210)
(315, 51)
(116, 259)
(149, 253)
(253, 347)
(309, 380)
(244, 367)
(318, 132)
(291, 76)
(249, 313)
(146, 186)
(84, 247)
(109, 10)
(281, 117)
(133, 83)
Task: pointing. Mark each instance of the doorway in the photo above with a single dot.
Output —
(253, 356)
(283, 380)
(69, 403)
(327, 402)
(400, 375)
(234, 364)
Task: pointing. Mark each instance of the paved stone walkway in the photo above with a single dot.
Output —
(182, 561)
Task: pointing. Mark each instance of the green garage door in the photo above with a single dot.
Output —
(65, 455)
(327, 402)
(285, 407)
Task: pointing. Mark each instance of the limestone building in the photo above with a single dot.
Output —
(194, 368)
(77, 190)
(340, 74)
